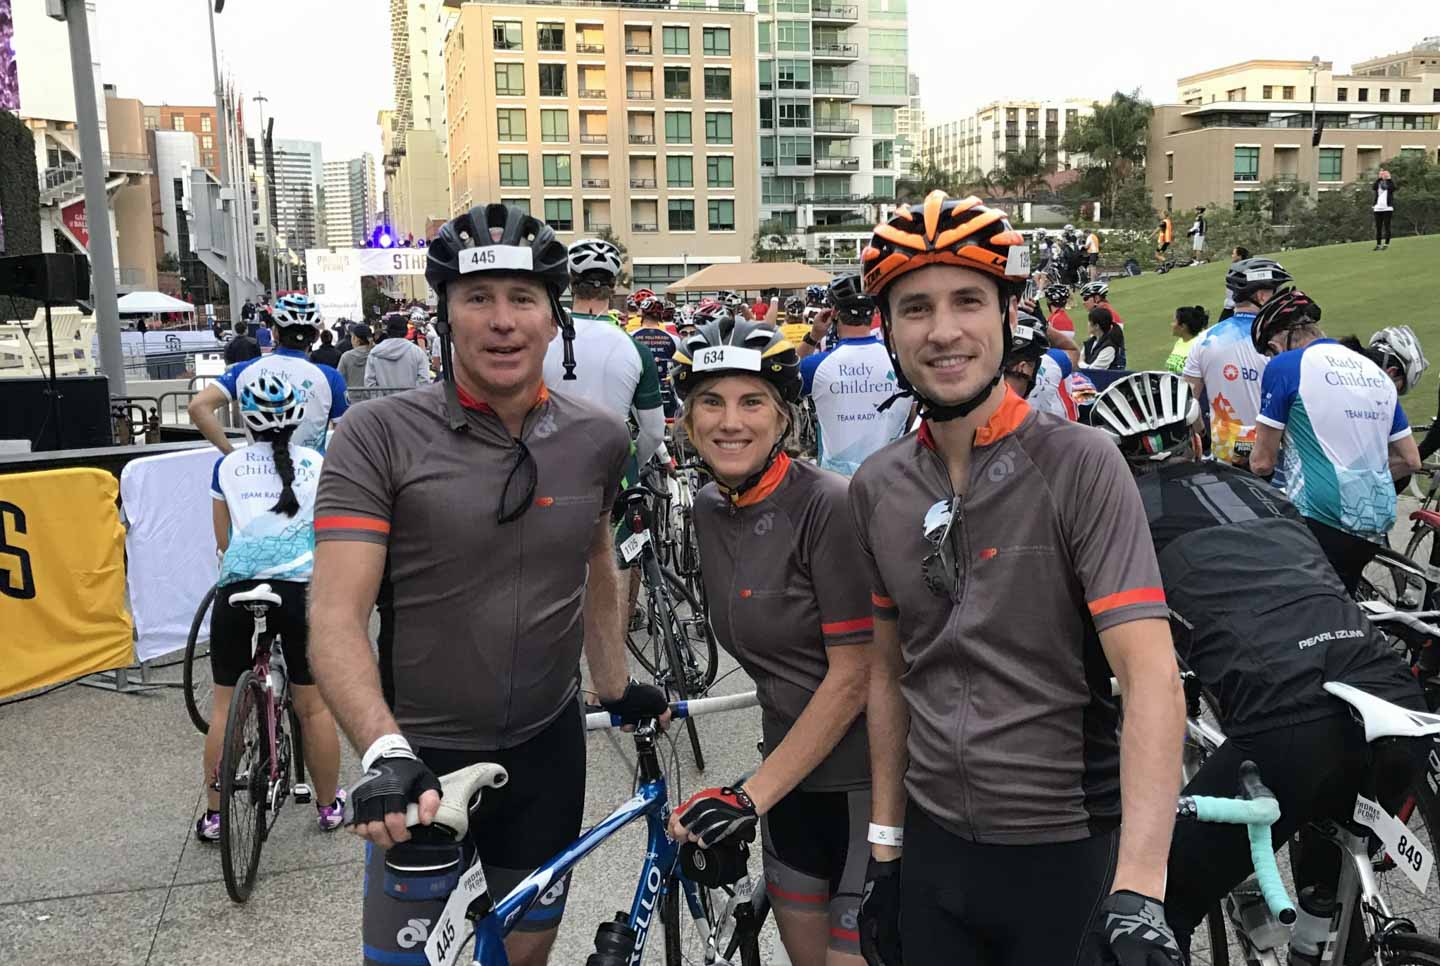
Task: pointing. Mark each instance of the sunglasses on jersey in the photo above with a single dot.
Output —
(941, 567)
(519, 490)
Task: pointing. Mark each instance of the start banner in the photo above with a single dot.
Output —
(62, 579)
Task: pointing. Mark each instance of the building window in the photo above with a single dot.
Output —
(797, 151)
(1247, 164)
(1236, 94)
(552, 80)
(560, 214)
(887, 80)
(207, 141)
(720, 172)
(1342, 93)
(1384, 95)
(205, 123)
(792, 75)
(510, 124)
(763, 35)
(555, 169)
(1418, 153)
(882, 120)
(767, 75)
(721, 214)
(677, 83)
(510, 80)
(717, 83)
(888, 45)
(1240, 200)
(522, 204)
(884, 186)
(550, 36)
(795, 114)
(680, 171)
(507, 35)
(1287, 93)
(1170, 203)
(177, 122)
(682, 214)
(151, 122)
(792, 35)
(884, 154)
(677, 127)
(1267, 92)
(555, 126)
(716, 41)
(1404, 95)
(1170, 167)
(675, 40)
(1364, 94)
(1332, 164)
(719, 128)
(1435, 95)
(514, 170)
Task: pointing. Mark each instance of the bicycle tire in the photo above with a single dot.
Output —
(297, 736)
(677, 681)
(244, 783)
(1408, 949)
(198, 710)
(698, 619)
(747, 946)
(1219, 939)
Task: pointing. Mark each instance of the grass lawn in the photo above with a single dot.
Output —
(1360, 290)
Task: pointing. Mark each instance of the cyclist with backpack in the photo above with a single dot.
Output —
(478, 511)
(264, 518)
(1261, 638)
(1011, 571)
(778, 543)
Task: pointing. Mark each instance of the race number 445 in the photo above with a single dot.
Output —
(496, 258)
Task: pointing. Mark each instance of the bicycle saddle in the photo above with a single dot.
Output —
(460, 791)
(259, 594)
(1383, 719)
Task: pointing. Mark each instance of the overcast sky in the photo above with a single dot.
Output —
(325, 64)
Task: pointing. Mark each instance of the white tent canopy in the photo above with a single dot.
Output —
(151, 303)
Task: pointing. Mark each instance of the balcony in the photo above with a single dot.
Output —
(589, 48)
(827, 200)
(642, 139)
(592, 93)
(837, 164)
(842, 127)
(838, 90)
(639, 50)
(644, 228)
(645, 95)
(594, 139)
(835, 13)
(648, 183)
(833, 52)
(595, 183)
(596, 227)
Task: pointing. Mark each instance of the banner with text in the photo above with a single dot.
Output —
(62, 579)
(334, 275)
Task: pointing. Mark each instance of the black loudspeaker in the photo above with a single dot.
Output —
(57, 279)
(84, 412)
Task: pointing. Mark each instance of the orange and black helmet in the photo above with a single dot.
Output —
(944, 231)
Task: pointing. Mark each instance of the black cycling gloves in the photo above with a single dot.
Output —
(880, 914)
(716, 814)
(640, 702)
(393, 781)
(1134, 932)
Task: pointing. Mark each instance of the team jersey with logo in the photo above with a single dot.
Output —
(785, 583)
(265, 545)
(1226, 360)
(1340, 413)
(1060, 321)
(849, 384)
(1012, 724)
(662, 346)
(611, 369)
(482, 621)
(319, 387)
(1050, 394)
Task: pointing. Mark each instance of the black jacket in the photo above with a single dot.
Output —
(240, 348)
(326, 355)
(1375, 190)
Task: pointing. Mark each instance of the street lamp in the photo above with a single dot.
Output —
(1314, 127)
(262, 100)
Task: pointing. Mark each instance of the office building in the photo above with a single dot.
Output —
(350, 202)
(638, 118)
(1237, 127)
(299, 171)
(199, 121)
(413, 134)
(910, 130)
(980, 140)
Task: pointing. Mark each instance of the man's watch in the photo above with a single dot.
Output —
(811, 341)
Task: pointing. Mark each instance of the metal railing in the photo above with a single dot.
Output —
(594, 138)
(643, 183)
(837, 164)
(642, 139)
(846, 126)
(832, 199)
(641, 95)
(842, 89)
(592, 94)
(589, 48)
(596, 227)
(639, 51)
(846, 51)
(644, 228)
(831, 11)
(595, 183)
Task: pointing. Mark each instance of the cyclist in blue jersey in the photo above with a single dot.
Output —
(1345, 438)
(297, 322)
(849, 382)
(264, 516)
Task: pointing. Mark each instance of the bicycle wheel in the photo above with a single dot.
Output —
(699, 650)
(1407, 949)
(672, 632)
(1424, 546)
(1219, 941)
(244, 786)
(198, 689)
(688, 938)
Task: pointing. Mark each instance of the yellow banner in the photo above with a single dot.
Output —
(62, 579)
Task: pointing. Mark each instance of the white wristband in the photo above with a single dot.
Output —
(393, 746)
(886, 835)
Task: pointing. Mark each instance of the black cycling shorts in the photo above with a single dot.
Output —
(515, 830)
(815, 852)
(231, 630)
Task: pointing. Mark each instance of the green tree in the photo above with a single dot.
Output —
(1024, 171)
(167, 263)
(1113, 141)
(608, 234)
(772, 243)
(924, 178)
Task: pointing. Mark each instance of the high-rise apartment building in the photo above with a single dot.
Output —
(413, 133)
(979, 141)
(834, 79)
(910, 129)
(199, 121)
(299, 170)
(350, 202)
(636, 117)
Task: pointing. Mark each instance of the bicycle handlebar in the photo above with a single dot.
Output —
(600, 720)
(1257, 810)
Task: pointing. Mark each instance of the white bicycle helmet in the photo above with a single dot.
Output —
(1148, 414)
(593, 256)
(1094, 288)
(1401, 350)
(270, 403)
(296, 310)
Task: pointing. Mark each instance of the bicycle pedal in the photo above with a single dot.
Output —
(302, 793)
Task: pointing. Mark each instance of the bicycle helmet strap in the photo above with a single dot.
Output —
(567, 333)
(734, 494)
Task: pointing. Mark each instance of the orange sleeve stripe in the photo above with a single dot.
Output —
(1141, 595)
(848, 627)
(352, 523)
(879, 601)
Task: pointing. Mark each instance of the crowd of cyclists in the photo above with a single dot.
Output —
(932, 610)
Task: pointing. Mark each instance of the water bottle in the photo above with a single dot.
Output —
(1312, 925)
(1252, 916)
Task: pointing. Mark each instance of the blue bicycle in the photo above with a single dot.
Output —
(726, 923)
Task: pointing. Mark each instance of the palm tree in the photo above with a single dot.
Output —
(1114, 140)
(924, 178)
